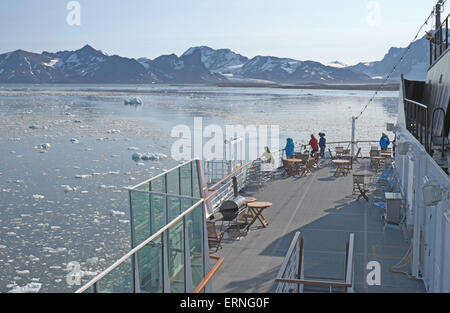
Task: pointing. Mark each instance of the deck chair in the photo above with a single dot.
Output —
(331, 155)
(306, 169)
(316, 159)
(214, 237)
(359, 187)
(356, 156)
(291, 169)
(373, 162)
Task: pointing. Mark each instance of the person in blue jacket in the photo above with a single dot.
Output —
(384, 141)
(322, 144)
(289, 148)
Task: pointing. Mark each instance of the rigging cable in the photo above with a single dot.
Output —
(380, 88)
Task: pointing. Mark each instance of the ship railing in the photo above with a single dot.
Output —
(291, 277)
(439, 42)
(202, 285)
(416, 120)
(365, 145)
(251, 172)
(131, 273)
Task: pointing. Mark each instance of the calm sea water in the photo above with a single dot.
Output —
(49, 216)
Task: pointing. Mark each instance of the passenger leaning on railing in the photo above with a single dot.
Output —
(384, 141)
(314, 145)
(289, 148)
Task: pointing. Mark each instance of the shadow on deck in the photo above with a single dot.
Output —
(323, 208)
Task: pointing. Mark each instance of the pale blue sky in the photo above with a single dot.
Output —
(321, 30)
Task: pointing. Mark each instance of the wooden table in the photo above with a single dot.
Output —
(249, 213)
(256, 208)
(341, 167)
(376, 161)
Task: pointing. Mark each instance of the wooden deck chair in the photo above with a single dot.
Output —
(356, 156)
(359, 187)
(339, 151)
(291, 169)
(306, 169)
(316, 159)
(214, 237)
(331, 155)
(372, 154)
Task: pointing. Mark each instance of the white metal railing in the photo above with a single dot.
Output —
(291, 277)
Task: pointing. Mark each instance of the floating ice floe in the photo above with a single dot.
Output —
(148, 156)
(133, 148)
(113, 131)
(117, 213)
(44, 146)
(38, 197)
(133, 101)
(83, 176)
(67, 188)
(28, 288)
(24, 272)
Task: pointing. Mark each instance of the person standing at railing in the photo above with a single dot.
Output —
(322, 144)
(289, 148)
(314, 145)
(384, 141)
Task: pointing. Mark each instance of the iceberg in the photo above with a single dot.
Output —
(133, 101)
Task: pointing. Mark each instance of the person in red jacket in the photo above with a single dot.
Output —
(314, 145)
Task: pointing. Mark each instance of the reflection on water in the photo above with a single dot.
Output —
(68, 203)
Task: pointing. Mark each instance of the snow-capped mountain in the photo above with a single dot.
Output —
(337, 64)
(201, 65)
(25, 67)
(222, 61)
(90, 65)
(284, 70)
(188, 68)
(414, 66)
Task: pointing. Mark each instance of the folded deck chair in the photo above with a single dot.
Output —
(306, 169)
(214, 237)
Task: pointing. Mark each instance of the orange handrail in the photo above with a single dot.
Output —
(210, 274)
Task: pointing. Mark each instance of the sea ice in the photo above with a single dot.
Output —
(28, 288)
(133, 101)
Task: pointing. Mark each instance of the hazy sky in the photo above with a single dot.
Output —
(320, 30)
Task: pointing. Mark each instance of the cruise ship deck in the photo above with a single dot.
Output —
(321, 207)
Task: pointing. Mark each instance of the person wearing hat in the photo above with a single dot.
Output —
(384, 141)
(322, 144)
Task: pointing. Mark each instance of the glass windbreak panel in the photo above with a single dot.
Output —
(89, 290)
(156, 213)
(186, 182)
(173, 208)
(175, 237)
(194, 221)
(195, 184)
(140, 209)
(143, 187)
(150, 269)
(187, 203)
(120, 280)
(173, 183)
(158, 184)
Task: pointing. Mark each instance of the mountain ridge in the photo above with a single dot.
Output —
(202, 64)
